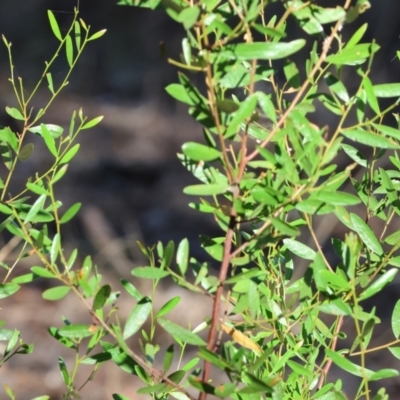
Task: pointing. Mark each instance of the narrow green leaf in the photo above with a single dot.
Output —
(49, 140)
(347, 365)
(149, 273)
(387, 90)
(56, 293)
(181, 334)
(93, 122)
(98, 34)
(284, 228)
(55, 248)
(42, 272)
(70, 213)
(206, 190)
(366, 234)
(200, 152)
(378, 284)
(54, 25)
(355, 155)
(76, 331)
(396, 320)
(354, 55)
(36, 207)
(49, 78)
(370, 139)
(137, 317)
(132, 291)
(69, 49)
(168, 358)
(78, 36)
(70, 154)
(260, 50)
(182, 256)
(64, 371)
(168, 306)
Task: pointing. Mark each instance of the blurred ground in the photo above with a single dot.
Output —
(126, 174)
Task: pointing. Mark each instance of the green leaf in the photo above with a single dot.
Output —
(168, 358)
(395, 351)
(101, 297)
(149, 273)
(157, 388)
(206, 190)
(56, 293)
(76, 331)
(26, 152)
(37, 188)
(15, 113)
(260, 50)
(117, 396)
(78, 36)
(70, 154)
(387, 90)
(182, 256)
(335, 197)
(9, 137)
(366, 234)
(70, 213)
(168, 306)
(283, 227)
(181, 334)
(347, 365)
(188, 17)
(93, 122)
(299, 249)
(49, 140)
(36, 207)
(354, 55)
(384, 373)
(55, 130)
(200, 152)
(55, 248)
(355, 155)
(97, 35)
(357, 36)
(8, 289)
(42, 272)
(370, 139)
(69, 49)
(245, 111)
(137, 317)
(378, 284)
(396, 320)
(132, 291)
(54, 25)
(64, 371)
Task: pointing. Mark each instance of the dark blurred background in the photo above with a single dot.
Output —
(126, 174)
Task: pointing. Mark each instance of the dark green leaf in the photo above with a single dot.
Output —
(101, 297)
(26, 152)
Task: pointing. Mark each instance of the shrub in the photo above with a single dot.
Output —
(267, 175)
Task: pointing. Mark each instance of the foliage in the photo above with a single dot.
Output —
(267, 175)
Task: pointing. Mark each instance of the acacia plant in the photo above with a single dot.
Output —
(269, 176)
